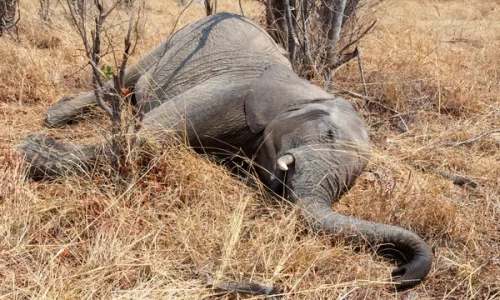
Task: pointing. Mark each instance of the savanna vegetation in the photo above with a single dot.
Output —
(433, 113)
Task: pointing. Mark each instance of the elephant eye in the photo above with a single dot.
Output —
(330, 134)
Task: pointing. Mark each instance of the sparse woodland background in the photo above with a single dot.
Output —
(433, 84)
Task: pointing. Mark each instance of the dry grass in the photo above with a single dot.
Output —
(436, 62)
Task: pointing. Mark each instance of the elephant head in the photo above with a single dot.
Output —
(321, 146)
(312, 152)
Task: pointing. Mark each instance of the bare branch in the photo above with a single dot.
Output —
(249, 288)
(472, 140)
(293, 43)
(94, 56)
(126, 53)
(361, 71)
(369, 99)
(106, 14)
(360, 36)
(241, 8)
(454, 178)
(458, 179)
(210, 8)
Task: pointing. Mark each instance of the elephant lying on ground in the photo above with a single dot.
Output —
(223, 85)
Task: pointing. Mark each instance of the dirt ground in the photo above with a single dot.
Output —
(432, 68)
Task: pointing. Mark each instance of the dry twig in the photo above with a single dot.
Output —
(293, 42)
(241, 8)
(361, 71)
(250, 288)
(454, 178)
(458, 179)
(210, 8)
(368, 99)
(471, 140)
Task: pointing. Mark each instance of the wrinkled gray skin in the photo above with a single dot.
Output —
(223, 84)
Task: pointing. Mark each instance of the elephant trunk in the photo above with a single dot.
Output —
(412, 248)
(319, 177)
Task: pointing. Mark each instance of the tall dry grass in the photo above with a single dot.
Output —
(435, 62)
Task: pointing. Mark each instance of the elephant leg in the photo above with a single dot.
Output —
(201, 115)
(207, 112)
(69, 107)
(47, 158)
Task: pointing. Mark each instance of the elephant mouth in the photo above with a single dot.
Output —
(302, 172)
(280, 175)
(285, 173)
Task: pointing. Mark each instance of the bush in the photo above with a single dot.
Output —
(318, 35)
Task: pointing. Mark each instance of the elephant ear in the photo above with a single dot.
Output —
(274, 91)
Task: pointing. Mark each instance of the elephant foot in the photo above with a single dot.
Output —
(47, 158)
(68, 108)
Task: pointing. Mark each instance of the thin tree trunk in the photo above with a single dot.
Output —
(336, 16)
(9, 14)
(275, 19)
(337, 22)
(293, 41)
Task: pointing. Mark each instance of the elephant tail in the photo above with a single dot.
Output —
(410, 248)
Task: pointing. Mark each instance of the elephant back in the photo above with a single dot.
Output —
(223, 48)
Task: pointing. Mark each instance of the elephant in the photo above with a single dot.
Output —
(224, 86)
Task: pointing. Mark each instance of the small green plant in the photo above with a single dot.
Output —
(107, 72)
